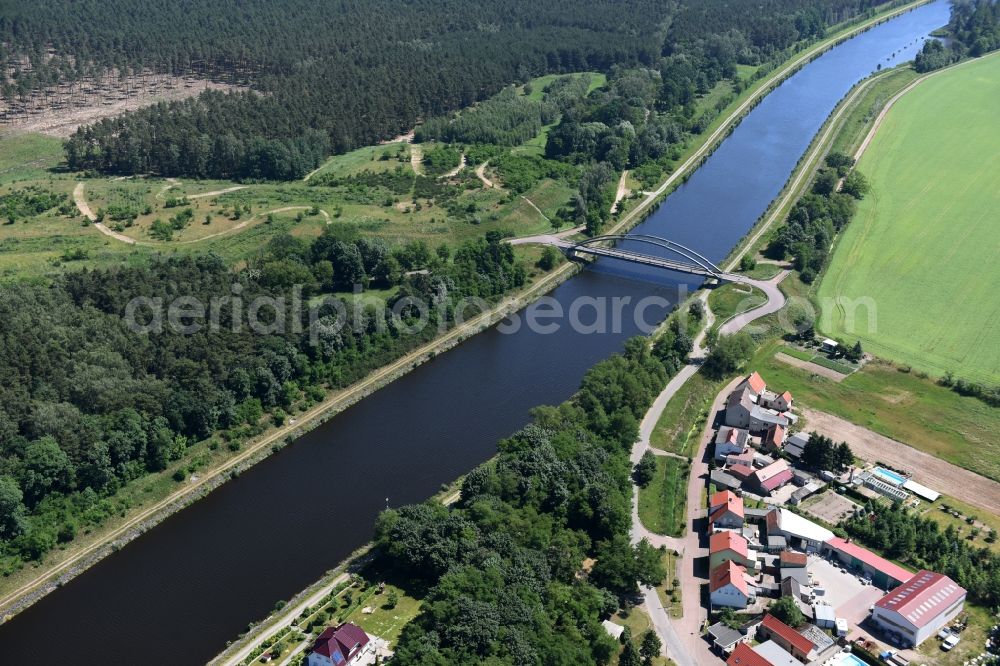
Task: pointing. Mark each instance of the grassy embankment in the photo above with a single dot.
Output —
(661, 503)
(922, 247)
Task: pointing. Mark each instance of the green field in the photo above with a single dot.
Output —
(901, 405)
(922, 248)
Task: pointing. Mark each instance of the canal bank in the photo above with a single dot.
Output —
(429, 426)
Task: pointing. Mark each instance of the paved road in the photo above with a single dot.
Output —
(682, 638)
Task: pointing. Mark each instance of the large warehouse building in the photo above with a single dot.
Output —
(918, 608)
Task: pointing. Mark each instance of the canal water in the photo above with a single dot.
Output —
(178, 593)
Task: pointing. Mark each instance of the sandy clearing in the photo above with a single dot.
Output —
(416, 159)
(63, 122)
(933, 472)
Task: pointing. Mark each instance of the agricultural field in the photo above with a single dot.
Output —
(900, 404)
(921, 251)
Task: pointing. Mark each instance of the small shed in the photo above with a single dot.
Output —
(825, 616)
(829, 346)
(842, 628)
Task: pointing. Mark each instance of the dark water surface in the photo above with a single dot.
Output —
(178, 593)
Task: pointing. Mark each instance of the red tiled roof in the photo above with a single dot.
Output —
(722, 541)
(756, 383)
(922, 598)
(788, 558)
(787, 396)
(726, 573)
(774, 475)
(877, 563)
(778, 628)
(744, 655)
(729, 501)
(775, 435)
(740, 471)
(347, 639)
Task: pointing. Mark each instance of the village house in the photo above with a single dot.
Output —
(728, 586)
(778, 402)
(773, 438)
(339, 646)
(919, 608)
(730, 546)
(725, 510)
(730, 441)
(768, 479)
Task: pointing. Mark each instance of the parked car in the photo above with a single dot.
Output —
(950, 642)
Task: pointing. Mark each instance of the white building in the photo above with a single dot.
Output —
(728, 586)
(918, 608)
(800, 533)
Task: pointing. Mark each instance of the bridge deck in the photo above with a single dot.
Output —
(648, 260)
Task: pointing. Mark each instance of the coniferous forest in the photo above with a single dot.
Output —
(328, 77)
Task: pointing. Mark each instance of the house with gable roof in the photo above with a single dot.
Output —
(339, 646)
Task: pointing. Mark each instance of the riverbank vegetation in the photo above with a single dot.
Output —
(90, 405)
(508, 559)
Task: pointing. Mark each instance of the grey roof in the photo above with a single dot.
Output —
(721, 478)
(795, 444)
(743, 395)
(776, 654)
(776, 541)
(756, 513)
(768, 416)
(790, 588)
(724, 635)
(824, 612)
(741, 435)
(800, 574)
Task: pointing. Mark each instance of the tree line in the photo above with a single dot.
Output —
(922, 543)
(88, 405)
(505, 564)
(819, 215)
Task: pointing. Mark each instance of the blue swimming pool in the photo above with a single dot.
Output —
(890, 476)
(848, 659)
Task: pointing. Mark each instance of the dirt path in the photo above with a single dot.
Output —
(809, 366)
(81, 204)
(621, 193)
(170, 184)
(895, 98)
(532, 204)
(932, 472)
(454, 172)
(481, 175)
(416, 159)
(216, 193)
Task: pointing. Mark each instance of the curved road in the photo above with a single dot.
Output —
(682, 638)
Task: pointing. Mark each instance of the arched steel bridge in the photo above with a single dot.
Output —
(689, 260)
